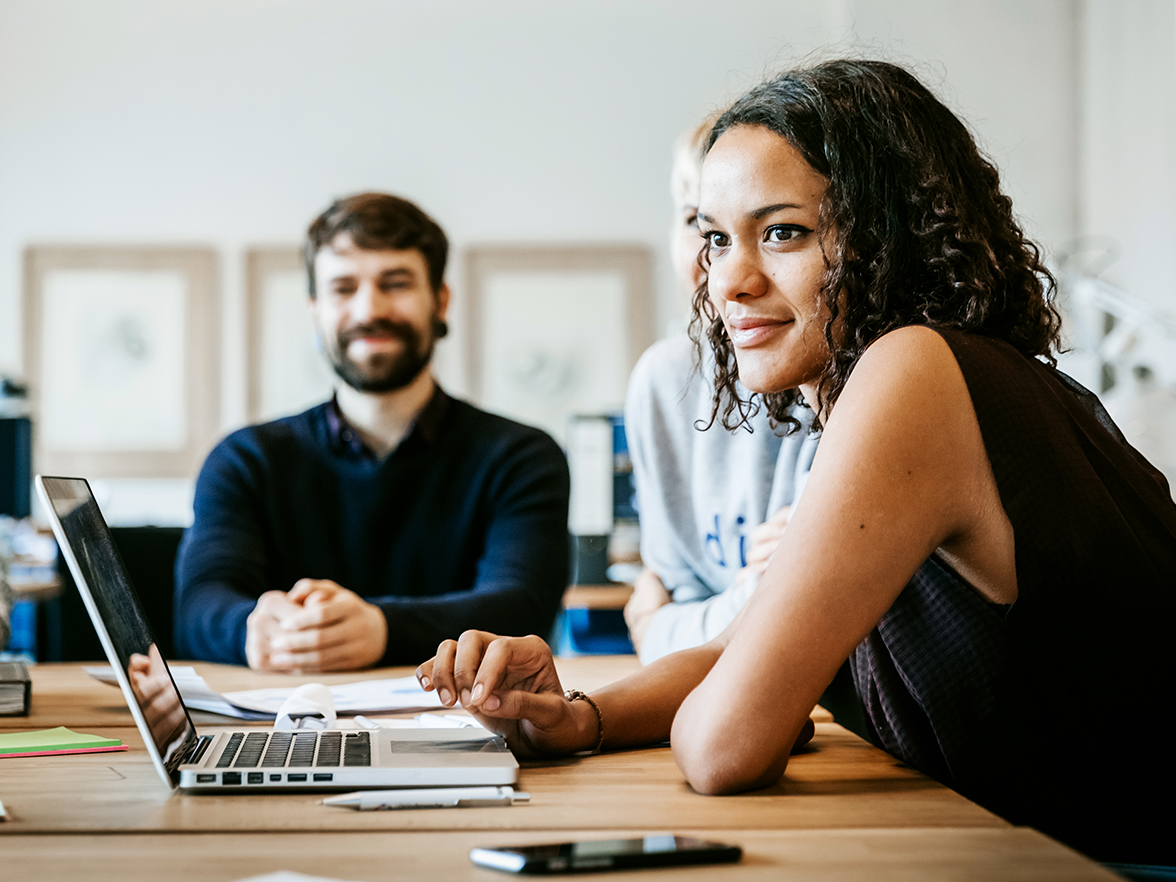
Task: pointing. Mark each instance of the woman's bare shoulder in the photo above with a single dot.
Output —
(910, 368)
(912, 347)
(905, 416)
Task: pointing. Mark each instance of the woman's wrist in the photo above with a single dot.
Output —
(589, 725)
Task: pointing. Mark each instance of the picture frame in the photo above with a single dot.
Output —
(285, 371)
(122, 354)
(555, 330)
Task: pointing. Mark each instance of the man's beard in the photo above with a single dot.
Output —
(385, 372)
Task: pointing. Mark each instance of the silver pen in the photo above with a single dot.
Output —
(428, 797)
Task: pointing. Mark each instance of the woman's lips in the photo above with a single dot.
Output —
(747, 332)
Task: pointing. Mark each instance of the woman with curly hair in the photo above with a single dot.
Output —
(976, 536)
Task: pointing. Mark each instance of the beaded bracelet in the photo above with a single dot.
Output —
(577, 695)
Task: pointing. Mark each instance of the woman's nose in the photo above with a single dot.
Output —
(736, 274)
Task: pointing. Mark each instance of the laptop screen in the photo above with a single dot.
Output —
(102, 580)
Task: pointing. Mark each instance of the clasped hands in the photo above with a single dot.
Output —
(316, 626)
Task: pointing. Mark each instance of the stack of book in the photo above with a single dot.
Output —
(15, 689)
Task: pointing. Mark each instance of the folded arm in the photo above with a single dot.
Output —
(681, 625)
(522, 570)
(222, 567)
(514, 536)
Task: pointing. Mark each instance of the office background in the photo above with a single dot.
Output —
(229, 125)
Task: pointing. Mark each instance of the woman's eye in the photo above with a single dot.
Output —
(783, 233)
(691, 220)
(715, 239)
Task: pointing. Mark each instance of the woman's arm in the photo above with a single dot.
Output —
(510, 684)
(901, 471)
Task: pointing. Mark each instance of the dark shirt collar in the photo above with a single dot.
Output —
(426, 427)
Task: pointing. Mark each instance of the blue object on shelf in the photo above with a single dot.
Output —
(23, 622)
(624, 493)
(594, 632)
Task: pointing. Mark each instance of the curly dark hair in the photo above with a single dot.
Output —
(918, 230)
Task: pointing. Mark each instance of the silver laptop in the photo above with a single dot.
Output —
(245, 760)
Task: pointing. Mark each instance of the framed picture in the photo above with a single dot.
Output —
(554, 330)
(121, 349)
(286, 371)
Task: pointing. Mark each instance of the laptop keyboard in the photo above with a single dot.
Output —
(271, 750)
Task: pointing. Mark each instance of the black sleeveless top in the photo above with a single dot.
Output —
(1057, 712)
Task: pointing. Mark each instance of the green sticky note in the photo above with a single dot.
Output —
(59, 740)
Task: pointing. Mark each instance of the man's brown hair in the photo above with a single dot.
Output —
(378, 222)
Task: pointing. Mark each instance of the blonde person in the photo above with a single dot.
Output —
(999, 562)
(712, 503)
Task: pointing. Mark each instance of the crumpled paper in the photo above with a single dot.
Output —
(310, 706)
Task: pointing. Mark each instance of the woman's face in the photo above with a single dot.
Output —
(759, 207)
(686, 241)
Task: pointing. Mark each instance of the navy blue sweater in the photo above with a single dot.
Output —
(464, 525)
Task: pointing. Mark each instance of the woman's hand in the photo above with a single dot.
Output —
(511, 687)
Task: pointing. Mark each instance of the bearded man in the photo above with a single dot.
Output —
(369, 528)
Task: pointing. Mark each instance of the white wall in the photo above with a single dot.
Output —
(233, 123)
(1127, 176)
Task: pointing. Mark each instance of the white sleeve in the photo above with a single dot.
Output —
(678, 626)
(658, 479)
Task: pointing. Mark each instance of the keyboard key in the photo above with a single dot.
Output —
(302, 753)
(250, 753)
(279, 746)
(357, 749)
(230, 751)
(330, 746)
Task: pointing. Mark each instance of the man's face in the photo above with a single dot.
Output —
(376, 314)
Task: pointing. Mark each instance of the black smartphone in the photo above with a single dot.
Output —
(606, 854)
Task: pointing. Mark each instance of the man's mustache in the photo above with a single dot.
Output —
(378, 328)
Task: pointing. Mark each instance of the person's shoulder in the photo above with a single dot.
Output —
(258, 438)
(668, 376)
(483, 428)
(668, 362)
(910, 369)
(913, 347)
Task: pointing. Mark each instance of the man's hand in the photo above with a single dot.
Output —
(649, 595)
(318, 626)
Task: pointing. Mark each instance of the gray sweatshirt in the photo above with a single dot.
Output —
(700, 494)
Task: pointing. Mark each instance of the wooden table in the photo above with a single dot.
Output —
(844, 810)
(38, 590)
(613, 596)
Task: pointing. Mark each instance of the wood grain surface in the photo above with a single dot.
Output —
(845, 810)
(913, 855)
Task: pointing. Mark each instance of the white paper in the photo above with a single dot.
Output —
(193, 690)
(311, 705)
(400, 694)
(361, 697)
